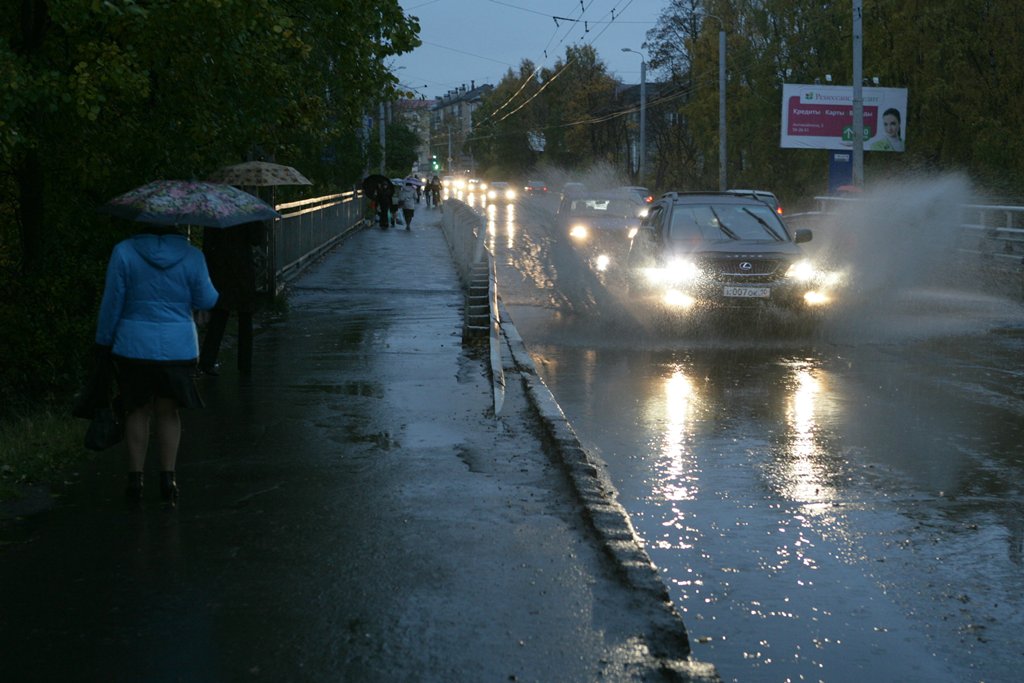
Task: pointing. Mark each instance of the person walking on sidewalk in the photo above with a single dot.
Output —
(155, 280)
(407, 199)
(228, 253)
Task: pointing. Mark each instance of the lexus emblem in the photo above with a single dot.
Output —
(746, 266)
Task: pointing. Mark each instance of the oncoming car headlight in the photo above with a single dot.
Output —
(675, 273)
(510, 194)
(491, 194)
(803, 271)
(579, 232)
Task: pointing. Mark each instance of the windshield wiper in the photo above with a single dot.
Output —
(767, 227)
(722, 226)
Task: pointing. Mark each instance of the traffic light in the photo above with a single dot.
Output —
(434, 163)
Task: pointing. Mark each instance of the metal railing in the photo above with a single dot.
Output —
(991, 240)
(306, 229)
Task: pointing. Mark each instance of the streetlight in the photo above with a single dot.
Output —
(643, 111)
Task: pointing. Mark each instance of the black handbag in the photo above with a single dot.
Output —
(94, 403)
(106, 428)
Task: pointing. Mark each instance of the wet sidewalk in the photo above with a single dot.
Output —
(352, 512)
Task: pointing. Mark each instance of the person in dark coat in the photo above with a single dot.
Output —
(385, 198)
(229, 259)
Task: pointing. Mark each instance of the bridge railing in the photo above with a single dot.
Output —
(306, 229)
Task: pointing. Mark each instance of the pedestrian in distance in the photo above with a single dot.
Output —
(407, 198)
(155, 281)
(229, 259)
(435, 190)
(386, 197)
(419, 190)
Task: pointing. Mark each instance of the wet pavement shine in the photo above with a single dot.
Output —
(354, 511)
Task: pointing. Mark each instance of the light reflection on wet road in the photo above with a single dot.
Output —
(839, 506)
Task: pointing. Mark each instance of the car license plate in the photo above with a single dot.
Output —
(748, 292)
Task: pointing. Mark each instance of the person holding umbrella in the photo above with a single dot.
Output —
(155, 281)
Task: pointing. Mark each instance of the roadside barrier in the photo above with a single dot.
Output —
(466, 232)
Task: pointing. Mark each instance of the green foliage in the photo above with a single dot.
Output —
(403, 145)
(40, 447)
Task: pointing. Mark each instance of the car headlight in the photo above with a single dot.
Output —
(491, 194)
(642, 213)
(677, 272)
(510, 194)
(579, 232)
(802, 271)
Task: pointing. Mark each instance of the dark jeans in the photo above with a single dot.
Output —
(407, 215)
(215, 334)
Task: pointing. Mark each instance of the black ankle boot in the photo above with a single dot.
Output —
(133, 492)
(168, 488)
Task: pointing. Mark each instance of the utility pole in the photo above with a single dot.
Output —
(450, 172)
(643, 113)
(722, 150)
(382, 140)
(643, 119)
(858, 96)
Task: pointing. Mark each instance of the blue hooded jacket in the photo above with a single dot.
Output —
(154, 282)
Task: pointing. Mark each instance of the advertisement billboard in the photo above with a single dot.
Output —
(821, 117)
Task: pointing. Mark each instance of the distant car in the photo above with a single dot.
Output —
(501, 191)
(570, 189)
(723, 249)
(765, 196)
(600, 224)
(639, 191)
(535, 187)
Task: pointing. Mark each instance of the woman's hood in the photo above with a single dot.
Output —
(162, 251)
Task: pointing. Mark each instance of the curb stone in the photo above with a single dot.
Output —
(608, 518)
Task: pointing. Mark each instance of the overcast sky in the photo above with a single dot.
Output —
(480, 40)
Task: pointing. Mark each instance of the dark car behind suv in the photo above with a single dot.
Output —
(724, 250)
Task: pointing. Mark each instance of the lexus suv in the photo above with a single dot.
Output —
(724, 250)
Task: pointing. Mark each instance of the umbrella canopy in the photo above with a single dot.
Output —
(259, 174)
(413, 180)
(374, 184)
(183, 202)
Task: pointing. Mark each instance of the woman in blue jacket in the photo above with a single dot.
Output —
(155, 281)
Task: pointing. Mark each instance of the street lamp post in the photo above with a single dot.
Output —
(643, 112)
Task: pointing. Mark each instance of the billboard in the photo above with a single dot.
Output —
(821, 117)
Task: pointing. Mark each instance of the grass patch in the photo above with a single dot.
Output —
(39, 448)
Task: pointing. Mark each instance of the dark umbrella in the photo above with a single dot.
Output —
(374, 184)
(182, 202)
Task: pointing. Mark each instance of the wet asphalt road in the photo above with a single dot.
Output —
(354, 512)
(836, 504)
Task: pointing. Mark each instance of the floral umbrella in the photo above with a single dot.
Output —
(259, 174)
(182, 202)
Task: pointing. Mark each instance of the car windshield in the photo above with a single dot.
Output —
(726, 222)
(602, 206)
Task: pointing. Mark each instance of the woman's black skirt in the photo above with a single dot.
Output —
(140, 381)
